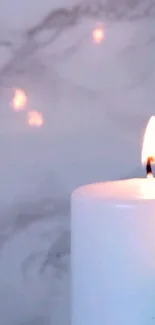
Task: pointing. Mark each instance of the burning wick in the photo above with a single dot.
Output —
(148, 148)
(149, 168)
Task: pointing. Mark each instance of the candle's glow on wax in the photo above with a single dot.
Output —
(124, 190)
(148, 189)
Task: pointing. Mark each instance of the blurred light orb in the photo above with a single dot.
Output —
(98, 35)
(19, 100)
(35, 119)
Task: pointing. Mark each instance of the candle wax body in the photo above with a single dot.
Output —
(113, 253)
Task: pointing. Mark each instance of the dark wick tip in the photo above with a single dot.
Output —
(148, 166)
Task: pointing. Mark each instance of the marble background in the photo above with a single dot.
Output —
(96, 101)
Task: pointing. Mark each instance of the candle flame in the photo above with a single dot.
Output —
(98, 35)
(148, 149)
(19, 100)
(35, 119)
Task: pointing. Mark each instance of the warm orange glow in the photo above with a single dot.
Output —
(98, 35)
(19, 100)
(148, 149)
(147, 188)
(35, 119)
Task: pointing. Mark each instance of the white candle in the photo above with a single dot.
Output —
(113, 253)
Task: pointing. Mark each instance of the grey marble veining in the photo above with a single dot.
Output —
(96, 101)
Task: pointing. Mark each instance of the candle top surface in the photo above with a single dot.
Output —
(128, 190)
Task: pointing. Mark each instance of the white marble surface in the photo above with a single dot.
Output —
(96, 101)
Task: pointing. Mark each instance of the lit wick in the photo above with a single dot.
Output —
(148, 167)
